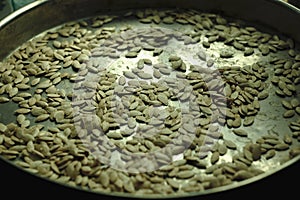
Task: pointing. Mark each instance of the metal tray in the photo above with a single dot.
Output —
(38, 17)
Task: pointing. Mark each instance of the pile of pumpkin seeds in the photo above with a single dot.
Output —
(151, 102)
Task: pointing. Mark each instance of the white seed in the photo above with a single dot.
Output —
(30, 146)
(42, 117)
(230, 144)
(240, 132)
(263, 95)
(144, 75)
(281, 147)
(4, 99)
(163, 98)
(215, 157)
(295, 103)
(129, 74)
(288, 113)
(114, 135)
(185, 174)
(45, 84)
(3, 128)
(270, 154)
(122, 80)
(286, 104)
(298, 110)
(22, 111)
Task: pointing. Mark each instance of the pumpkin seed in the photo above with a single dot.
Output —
(129, 74)
(144, 75)
(288, 113)
(4, 99)
(230, 144)
(270, 154)
(295, 103)
(215, 157)
(286, 104)
(185, 174)
(298, 110)
(281, 146)
(240, 132)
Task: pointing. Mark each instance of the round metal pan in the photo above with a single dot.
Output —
(272, 16)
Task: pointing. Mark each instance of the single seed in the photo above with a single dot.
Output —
(185, 174)
(215, 157)
(144, 75)
(263, 95)
(4, 99)
(230, 144)
(298, 110)
(129, 74)
(156, 74)
(286, 104)
(288, 113)
(281, 147)
(114, 135)
(270, 154)
(240, 132)
(295, 103)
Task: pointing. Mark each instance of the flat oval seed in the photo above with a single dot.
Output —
(144, 75)
(263, 95)
(270, 154)
(4, 99)
(42, 117)
(114, 135)
(289, 114)
(230, 144)
(286, 104)
(281, 147)
(129, 74)
(298, 110)
(240, 132)
(215, 157)
(295, 103)
(185, 174)
(163, 98)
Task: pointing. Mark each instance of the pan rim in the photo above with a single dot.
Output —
(5, 21)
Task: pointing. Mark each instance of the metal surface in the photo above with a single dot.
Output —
(280, 18)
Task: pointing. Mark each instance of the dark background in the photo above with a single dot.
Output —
(16, 184)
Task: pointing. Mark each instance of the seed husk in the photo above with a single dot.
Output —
(286, 104)
(163, 98)
(248, 51)
(215, 157)
(185, 174)
(156, 74)
(240, 132)
(230, 144)
(298, 110)
(242, 175)
(281, 147)
(131, 54)
(47, 100)
(129, 74)
(270, 154)
(4, 99)
(3, 128)
(295, 103)
(144, 75)
(288, 113)
(248, 121)
(263, 95)
(114, 135)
